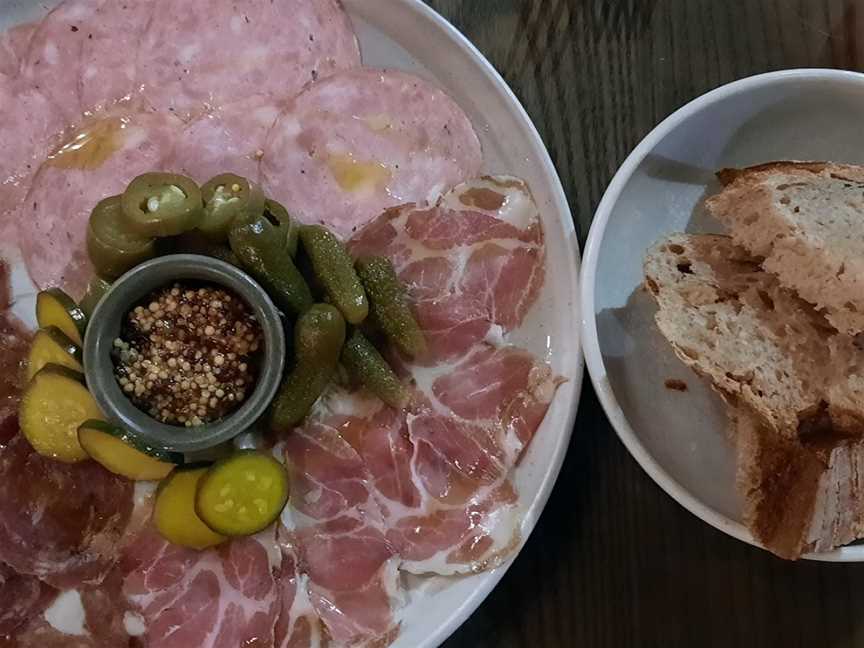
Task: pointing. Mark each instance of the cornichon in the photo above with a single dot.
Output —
(228, 198)
(369, 367)
(162, 204)
(334, 269)
(318, 338)
(389, 305)
(258, 245)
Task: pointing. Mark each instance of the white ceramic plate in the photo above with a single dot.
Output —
(407, 34)
(680, 438)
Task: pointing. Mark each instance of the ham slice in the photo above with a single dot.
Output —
(13, 47)
(473, 263)
(53, 220)
(361, 141)
(59, 522)
(336, 530)
(213, 54)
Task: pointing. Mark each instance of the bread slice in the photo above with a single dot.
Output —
(798, 497)
(807, 220)
(729, 320)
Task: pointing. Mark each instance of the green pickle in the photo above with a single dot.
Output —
(112, 246)
(96, 290)
(333, 267)
(260, 249)
(389, 305)
(195, 242)
(162, 204)
(318, 338)
(369, 367)
(228, 198)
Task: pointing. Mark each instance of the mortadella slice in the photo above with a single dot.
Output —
(359, 142)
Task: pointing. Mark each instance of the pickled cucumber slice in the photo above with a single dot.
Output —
(174, 511)
(55, 308)
(243, 494)
(51, 345)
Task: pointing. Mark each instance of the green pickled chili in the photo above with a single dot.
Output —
(389, 305)
(113, 247)
(279, 216)
(162, 204)
(228, 198)
(260, 248)
(334, 269)
(318, 338)
(371, 370)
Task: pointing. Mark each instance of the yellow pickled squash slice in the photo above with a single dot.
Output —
(55, 403)
(51, 345)
(55, 308)
(174, 511)
(122, 454)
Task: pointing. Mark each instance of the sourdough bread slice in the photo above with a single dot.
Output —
(729, 320)
(806, 219)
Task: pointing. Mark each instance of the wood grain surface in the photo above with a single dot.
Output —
(614, 561)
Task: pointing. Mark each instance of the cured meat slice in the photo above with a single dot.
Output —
(59, 522)
(473, 263)
(191, 58)
(13, 47)
(219, 597)
(21, 599)
(362, 141)
(28, 130)
(97, 161)
(297, 625)
(335, 527)
(14, 345)
(227, 140)
(83, 54)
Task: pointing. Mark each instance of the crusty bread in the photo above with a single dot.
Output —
(798, 497)
(805, 219)
(731, 321)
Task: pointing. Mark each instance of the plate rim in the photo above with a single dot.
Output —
(532, 513)
(590, 338)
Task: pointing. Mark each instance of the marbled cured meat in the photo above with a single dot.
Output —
(361, 141)
(473, 261)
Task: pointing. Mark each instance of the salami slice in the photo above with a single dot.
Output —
(362, 141)
(59, 522)
(215, 53)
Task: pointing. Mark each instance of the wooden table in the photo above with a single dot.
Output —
(615, 561)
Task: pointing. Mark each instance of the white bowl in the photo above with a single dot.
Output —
(680, 438)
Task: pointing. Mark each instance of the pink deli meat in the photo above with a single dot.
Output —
(13, 47)
(53, 218)
(226, 596)
(362, 141)
(473, 263)
(60, 522)
(337, 533)
(21, 598)
(195, 56)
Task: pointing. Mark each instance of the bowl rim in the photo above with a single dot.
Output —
(590, 340)
(141, 281)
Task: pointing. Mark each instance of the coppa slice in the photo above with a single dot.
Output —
(208, 599)
(21, 598)
(113, 149)
(361, 141)
(334, 525)
(267, 49)
(473, 262)
(59, 522)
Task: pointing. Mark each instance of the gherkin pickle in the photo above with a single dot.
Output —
(261, 251)
(112, 246)
(278, 216)
(318, 338)
(333, 267)
(228, 199)
(389, 305)
(369, 367)
(162, 204)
